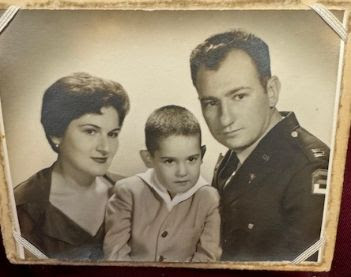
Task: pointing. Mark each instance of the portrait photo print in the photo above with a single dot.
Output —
(170, 137)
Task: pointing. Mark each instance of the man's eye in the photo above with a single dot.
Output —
(209, 103)
(114, 134)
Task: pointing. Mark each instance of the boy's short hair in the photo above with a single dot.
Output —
(168, 121)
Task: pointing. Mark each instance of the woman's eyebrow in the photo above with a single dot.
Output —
(98, 127)
(89, 125)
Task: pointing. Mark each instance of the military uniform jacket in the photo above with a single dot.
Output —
(50, 230)
(272, 208)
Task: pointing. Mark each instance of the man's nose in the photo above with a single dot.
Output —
(181, 169)
(225, 116)
(103, 145)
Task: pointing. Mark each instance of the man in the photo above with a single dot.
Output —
(272, 180)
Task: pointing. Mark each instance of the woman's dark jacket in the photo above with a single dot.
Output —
(47, 228)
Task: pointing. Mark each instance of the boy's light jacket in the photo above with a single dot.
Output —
(143, 223)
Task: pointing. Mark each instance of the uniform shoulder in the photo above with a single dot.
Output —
(314, 149)
(35, 188)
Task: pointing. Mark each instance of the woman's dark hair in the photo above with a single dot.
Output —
(75, 95)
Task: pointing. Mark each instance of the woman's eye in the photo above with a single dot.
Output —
(239, 96)
(90, 131)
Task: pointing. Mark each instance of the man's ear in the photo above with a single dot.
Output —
(273, 90)
(146, 157)
(203, 151)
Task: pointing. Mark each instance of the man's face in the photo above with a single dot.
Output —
(234, 103)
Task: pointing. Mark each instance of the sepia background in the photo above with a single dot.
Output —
(148, 53)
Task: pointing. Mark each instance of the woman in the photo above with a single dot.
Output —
(61, 208)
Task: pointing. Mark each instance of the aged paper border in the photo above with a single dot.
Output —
(341, 137)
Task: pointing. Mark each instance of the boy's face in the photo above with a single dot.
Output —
(177, 162)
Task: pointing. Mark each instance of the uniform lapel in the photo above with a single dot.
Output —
(263, 161)
(248, 176)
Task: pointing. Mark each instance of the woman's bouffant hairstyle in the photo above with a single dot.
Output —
(75, 95)
(168, 121)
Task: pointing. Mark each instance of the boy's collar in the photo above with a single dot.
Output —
(151, 179)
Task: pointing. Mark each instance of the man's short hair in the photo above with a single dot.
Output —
(214, 50)
(77, 94)
(168, 121)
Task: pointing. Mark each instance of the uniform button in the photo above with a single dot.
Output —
(294, 134)
(250, 226)
(161, 258)
(266, 157)
(164, 234)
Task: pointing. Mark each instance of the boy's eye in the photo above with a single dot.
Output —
(168, 161)
(193, 159)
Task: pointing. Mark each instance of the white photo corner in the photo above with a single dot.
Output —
(181, 138)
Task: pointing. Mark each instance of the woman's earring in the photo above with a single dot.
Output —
(57, 145)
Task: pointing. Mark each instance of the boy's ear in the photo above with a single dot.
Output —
(203, 151)
(146, 157)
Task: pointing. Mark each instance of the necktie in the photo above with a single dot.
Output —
(227, 171)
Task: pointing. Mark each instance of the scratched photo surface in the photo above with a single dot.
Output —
(148, 53)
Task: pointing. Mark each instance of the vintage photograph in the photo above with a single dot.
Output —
(170, 136)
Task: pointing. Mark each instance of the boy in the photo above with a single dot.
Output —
(169, 212)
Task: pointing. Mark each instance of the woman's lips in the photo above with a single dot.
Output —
(99, 160)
